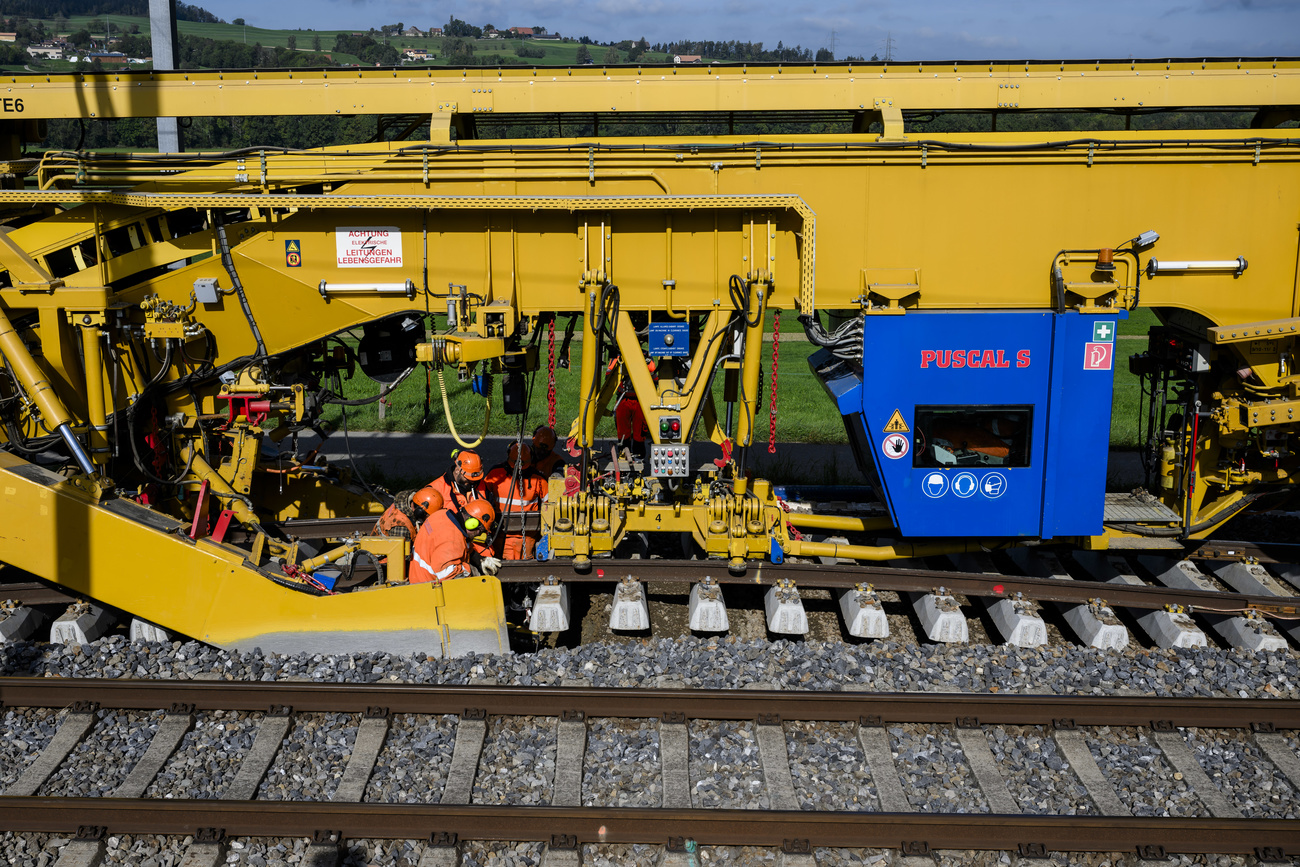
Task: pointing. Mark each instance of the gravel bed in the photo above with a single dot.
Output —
(1236, 764)
(26, 731)
(714, 663)
(146, 851)
(725, 768)
(266, 851)
(374, 853)
(620, 855)
(852, 857)
(741, 856)
(828, 766)
(209, 755)
(621, 767)
(1136, 767)
(111, 748)
(517, 765)
(1037, 775)
(412, 767)
(311, 758)
(933, 768)
(30, 850)
(474, 854)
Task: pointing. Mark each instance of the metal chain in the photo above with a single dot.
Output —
(776, 357)
(550, 374)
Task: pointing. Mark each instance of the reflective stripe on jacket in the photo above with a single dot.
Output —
(441, 552)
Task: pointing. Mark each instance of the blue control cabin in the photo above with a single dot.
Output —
(981, 423)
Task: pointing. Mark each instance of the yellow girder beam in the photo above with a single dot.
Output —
(173, 201)
(736, 87)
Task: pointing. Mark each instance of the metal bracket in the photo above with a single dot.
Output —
(443, 839)
(474, 713)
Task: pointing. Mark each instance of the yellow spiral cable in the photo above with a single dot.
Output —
(451, 425)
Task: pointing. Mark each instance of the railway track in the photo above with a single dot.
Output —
(1225, 593)
(770, 808)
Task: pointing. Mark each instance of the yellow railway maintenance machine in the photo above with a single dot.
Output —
(169, 321)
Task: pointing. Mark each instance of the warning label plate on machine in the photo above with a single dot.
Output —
(368, 246)
(896, 424)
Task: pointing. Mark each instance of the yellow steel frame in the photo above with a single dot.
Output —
(870, 87)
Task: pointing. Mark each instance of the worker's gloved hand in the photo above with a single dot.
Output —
(491, 565)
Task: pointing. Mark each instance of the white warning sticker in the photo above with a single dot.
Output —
(368, 246)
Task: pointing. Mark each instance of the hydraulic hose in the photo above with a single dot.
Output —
(228, 261)
(451, 425)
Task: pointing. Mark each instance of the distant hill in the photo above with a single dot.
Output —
(74, 8)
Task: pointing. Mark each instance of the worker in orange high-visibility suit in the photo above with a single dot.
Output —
(463, 482)
(399, 519)
(520, 489)
(408, 511)
(444, 546)
(546, 461)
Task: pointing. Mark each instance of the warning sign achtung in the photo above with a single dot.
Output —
(368, 246)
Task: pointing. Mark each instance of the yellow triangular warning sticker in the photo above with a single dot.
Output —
(291, 247)
(896, 424)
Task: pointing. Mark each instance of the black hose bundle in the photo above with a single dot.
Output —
(844, 342)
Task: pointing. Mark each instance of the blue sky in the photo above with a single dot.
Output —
(933, 30)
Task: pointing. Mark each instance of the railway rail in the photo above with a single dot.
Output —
(1186, 595)
(566, 824)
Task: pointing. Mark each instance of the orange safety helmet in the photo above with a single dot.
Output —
(428, 500)
(544, 438)
(482, 513)
(512, 457)
(470, 464)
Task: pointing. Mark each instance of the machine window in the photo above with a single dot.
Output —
(972, 436)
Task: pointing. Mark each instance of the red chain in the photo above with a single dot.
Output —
(776, 356)
(550, 374)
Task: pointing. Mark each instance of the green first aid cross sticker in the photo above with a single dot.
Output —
(1103, 332)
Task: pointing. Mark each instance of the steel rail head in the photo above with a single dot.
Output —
(770, 828)
(984, 709)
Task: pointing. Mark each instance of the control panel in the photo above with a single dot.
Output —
(672, 461)
(670, 428)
